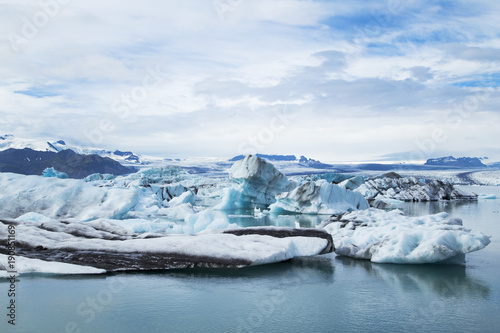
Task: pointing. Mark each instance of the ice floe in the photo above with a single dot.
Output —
(392, 237)
(106, 247)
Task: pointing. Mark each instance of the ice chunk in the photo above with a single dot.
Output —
(393, 186)
(352, 183)
(184, 198)
(205, 220)
(487, 196)
(99, 176)
(392, 237)
(63, 242)
(63, 198)
(51, 172)
(318, 198)
(177, 212)
(255, 183)
(27, 265)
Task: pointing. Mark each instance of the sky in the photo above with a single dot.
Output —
(338, 81)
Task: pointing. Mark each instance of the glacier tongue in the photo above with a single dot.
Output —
(318, 198)
(392, 237)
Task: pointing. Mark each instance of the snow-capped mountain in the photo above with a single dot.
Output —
(124, 157)
(462, 162)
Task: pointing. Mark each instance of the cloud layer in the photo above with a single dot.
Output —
(334, 80)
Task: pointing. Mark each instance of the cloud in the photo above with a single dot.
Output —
(361, 79)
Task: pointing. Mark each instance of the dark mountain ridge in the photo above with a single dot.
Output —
(31, 162)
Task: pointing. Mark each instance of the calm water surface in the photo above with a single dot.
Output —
(320, 294)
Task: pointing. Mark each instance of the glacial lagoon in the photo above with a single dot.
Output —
(317, 294)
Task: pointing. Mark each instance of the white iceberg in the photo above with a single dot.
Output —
(63, 198)
(93, 248)
(255, 184)
(318, 198)
(392, 237)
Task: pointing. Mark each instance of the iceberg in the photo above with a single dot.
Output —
(393, 186)
(99, 247)
(51, 172)
(392, 237)
(318, 198)
(255, 183)
(63, 198)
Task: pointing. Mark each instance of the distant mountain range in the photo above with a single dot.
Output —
(31, 162)
(461, 162)
(125, 157)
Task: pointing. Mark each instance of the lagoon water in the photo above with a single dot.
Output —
(318, 294)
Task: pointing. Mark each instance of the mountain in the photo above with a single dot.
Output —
(124, 157)
(462, 162)
(31, 162)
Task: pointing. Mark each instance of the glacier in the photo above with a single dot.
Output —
(392, 237)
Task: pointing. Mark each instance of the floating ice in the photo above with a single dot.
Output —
(94, 245)
(393, 186)
(27, 265)
(51, 172)
(392, 237)
(487, 196)
(255, 183)
(63, 198)
(205, 220)
(318, 198)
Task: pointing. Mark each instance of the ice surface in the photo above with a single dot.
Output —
(393, 186)
(63, 198)
(352, 183)
(205, 220)
(55, 240)
(392, 237)
(27, 265)
(491, 177)
(319, 198)
(255, 183)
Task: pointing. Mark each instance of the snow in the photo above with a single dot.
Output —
(392, 237)
(255, 183)
(318, 198)
(27, 265)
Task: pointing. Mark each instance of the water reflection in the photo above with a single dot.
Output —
(434, 207)
(317, 268)
(248, 218)
(443, 280)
